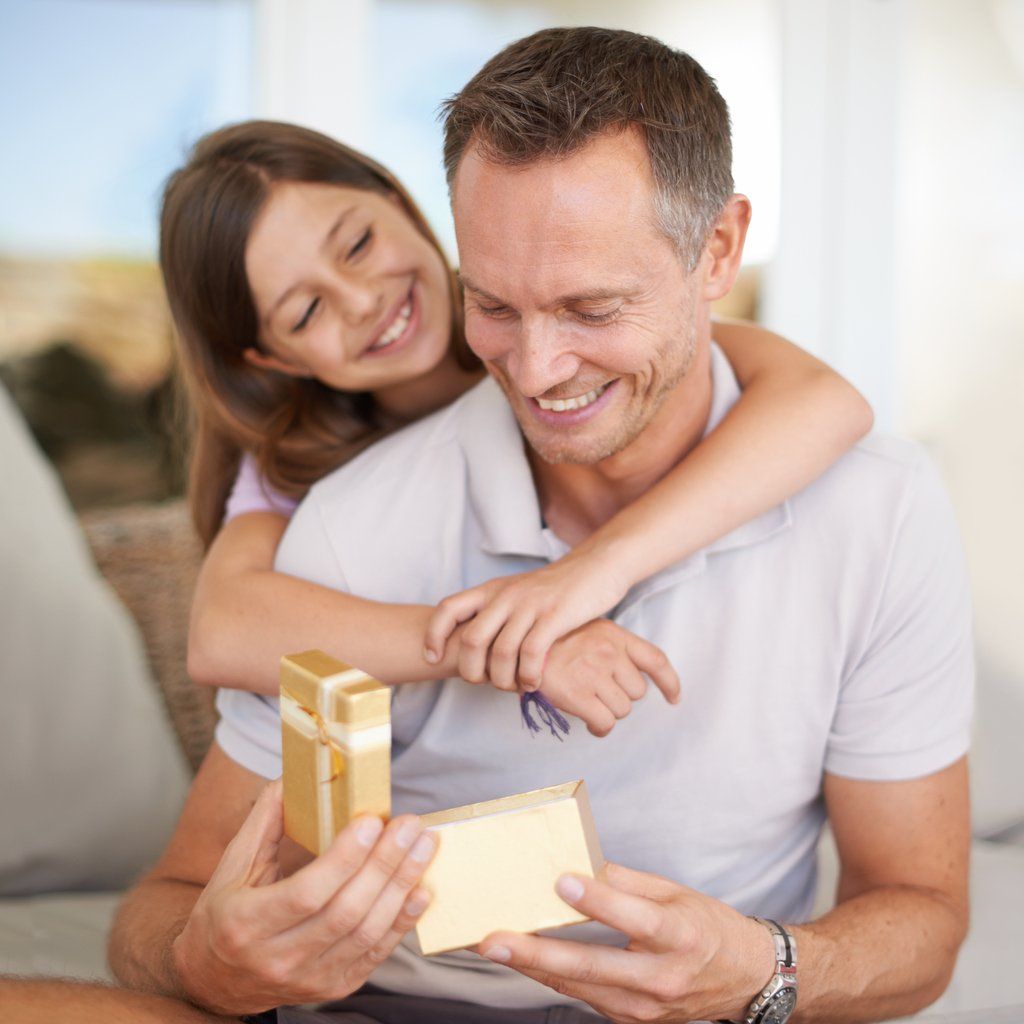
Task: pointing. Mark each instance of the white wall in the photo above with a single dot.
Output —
(960, 277)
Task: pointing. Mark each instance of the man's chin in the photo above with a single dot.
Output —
(572, 451)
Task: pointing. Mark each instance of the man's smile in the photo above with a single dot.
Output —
(570, 412)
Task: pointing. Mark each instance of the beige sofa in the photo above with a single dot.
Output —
(101, 730)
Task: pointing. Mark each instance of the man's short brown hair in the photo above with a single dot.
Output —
(547, 95)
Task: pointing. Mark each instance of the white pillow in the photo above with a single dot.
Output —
(92, 777)
(997, 754)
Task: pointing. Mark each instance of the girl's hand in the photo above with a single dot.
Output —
(517, 618)
(594, 673)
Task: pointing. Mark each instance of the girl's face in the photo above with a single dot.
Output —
(346, 288)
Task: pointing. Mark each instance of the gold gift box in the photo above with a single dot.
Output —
(498, 861)
(335, 747)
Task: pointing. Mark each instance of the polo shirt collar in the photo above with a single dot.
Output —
(500, 483)
(504, 498)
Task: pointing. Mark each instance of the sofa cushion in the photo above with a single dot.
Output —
(62, 936)
(93, 775)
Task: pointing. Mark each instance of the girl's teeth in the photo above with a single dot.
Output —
(567, 404)
(398, 325)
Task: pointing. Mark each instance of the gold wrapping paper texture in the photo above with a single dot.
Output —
(335, 747)
(498, 861)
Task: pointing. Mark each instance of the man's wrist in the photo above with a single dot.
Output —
(755, 966)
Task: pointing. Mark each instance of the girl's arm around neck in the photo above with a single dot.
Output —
(796, 416)
(246, 617)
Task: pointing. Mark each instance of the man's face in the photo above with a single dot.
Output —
(582, 310)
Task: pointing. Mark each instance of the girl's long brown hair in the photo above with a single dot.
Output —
(297, 428)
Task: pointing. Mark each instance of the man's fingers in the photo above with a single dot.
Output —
(583, 963)
(446, 616)
(255, 844)
(412, 911)
(655, 663)
(389, 905)
(641, 883)
(647, 922)
(293, 900)
(397, 860)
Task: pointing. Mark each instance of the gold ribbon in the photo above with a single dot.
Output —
(324, 737)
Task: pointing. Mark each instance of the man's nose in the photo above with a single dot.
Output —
(540, 360)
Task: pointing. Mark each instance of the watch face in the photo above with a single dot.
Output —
(781, 1008)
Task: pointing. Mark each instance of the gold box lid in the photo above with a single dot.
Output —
(338, 692)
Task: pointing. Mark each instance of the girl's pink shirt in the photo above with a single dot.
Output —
(251, 493)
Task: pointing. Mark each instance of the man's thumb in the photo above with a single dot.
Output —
(260, 834)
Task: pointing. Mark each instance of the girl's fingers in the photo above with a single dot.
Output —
(504, 659)
(614, 698)
(533, 651)
(446, 616)
(653, 661)
(630, 681)
(477, 637)
(600, 720)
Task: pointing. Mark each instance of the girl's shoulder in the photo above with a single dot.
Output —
(252, 493)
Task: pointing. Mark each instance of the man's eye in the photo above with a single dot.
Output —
(492, 310)
(364, 241)
(305, 316)
(597, 318)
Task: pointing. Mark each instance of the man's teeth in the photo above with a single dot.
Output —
(566, 404)
(398, 325)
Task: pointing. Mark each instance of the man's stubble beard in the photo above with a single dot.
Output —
(635, 422)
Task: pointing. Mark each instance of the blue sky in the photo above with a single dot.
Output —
(100, 99)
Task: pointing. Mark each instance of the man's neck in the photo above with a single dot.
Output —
(576, 500)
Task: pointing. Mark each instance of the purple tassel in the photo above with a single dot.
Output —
(549, 714)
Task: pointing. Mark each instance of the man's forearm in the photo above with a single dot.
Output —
(884, 953)
(148, 921)
(44, 1001)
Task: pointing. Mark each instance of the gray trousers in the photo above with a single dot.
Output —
(372, 1005)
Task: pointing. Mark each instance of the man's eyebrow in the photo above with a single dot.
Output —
(586, 295)
(328, 240)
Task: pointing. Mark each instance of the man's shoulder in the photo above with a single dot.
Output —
(882, 487)
(383, 519)
(431, 442)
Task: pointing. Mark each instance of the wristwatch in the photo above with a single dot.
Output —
(775, 1003)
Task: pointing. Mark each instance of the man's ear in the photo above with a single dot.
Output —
(724, 249)
(259, 359)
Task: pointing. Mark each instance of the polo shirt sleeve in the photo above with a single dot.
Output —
(249, 730)
(905, 704)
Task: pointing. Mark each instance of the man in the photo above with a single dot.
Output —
(825, 646)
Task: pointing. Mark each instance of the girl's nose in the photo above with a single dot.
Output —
(360, 301)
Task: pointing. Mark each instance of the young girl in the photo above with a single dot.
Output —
(315, 313)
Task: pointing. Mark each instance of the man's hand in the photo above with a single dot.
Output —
(255, 940)
(689, 957)
(516, 619)
(596, 672)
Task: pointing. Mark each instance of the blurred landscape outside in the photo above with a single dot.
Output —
(103, 99)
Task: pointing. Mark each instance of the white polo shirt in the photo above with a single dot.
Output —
(830, 634)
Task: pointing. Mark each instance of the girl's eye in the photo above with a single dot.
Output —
(305, 316)
(364, 241)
